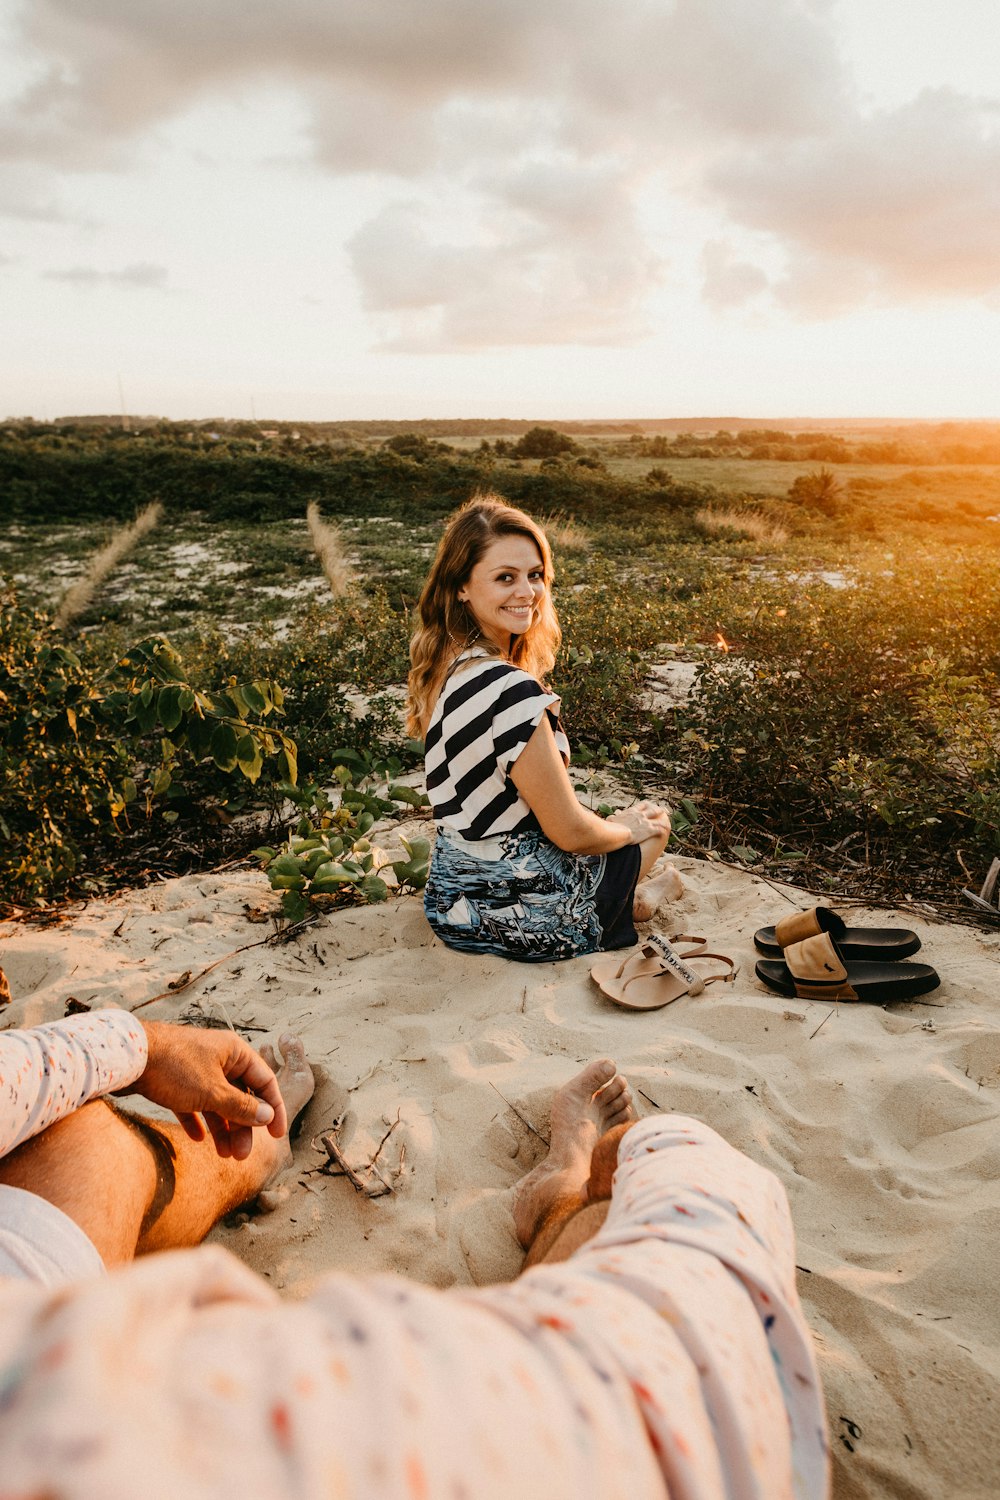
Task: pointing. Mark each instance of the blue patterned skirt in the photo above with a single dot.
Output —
(519, 896)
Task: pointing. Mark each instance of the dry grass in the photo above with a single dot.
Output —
(328, 546)
(748, 523)
(565, 534)
(78, 599)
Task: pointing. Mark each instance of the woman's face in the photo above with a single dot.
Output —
(504, 588)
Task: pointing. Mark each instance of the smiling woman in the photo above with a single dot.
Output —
(519, 868)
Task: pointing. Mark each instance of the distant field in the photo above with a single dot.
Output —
(193, 575)
(770, 477)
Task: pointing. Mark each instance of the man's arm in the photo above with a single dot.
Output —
(49, 1071)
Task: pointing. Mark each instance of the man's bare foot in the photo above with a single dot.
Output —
(649, 896)
(296, 1082)
(594, 1101)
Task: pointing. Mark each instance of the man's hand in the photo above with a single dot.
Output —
(215, 1074)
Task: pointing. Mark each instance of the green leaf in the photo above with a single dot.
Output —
(264, 854)
(331, 875)
(146, 694)
(417, 848)
(409, 795)
(144, 714)
(237, 698)
(167, 660)
(223, 747)
(255, 701)
(374, 888)
(250, 759)
(161, 781)
(294, 906)
(288, 764)
(168, 707)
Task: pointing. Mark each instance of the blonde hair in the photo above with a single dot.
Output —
(448, 626)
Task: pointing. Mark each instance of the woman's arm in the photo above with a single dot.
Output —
(543, 782)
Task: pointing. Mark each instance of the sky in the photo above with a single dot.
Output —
(350, 209)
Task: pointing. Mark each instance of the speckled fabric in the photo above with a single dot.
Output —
(669, 1356)
(48, 1071)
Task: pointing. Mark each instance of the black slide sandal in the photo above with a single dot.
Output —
(882, 944)
(815, 970)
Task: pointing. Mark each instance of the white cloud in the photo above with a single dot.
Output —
(729, 282)
(528, 136)
(141, 276)
(901, 205)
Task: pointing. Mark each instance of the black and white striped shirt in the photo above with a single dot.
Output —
(485, 715)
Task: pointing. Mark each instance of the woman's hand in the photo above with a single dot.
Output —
(644, 820)
(542, 779)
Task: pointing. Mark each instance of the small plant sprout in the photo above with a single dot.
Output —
(329, 860)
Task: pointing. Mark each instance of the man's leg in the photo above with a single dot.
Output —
(564, 1201)
(134, 1185)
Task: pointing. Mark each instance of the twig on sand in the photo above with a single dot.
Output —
(822, 1023)
(649, 1099)
(385, 1138)
(519, 1115)
(187, 979)
(333, 1151)
(331, 1146)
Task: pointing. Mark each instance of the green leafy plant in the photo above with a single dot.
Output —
(63, 771)
(196, 732)
(328, 859)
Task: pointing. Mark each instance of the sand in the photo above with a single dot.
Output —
(881, 1122)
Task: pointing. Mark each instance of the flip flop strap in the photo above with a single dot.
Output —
(658, 947)
(723, 958)
(818, 970)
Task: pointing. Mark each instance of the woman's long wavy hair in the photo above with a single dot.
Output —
(447, 624)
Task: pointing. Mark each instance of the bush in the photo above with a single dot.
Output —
(63, 772)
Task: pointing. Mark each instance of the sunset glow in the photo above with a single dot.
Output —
(755, 208)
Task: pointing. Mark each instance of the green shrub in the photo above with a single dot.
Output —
(63, 772)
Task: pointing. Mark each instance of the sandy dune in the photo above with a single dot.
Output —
(882, 1123)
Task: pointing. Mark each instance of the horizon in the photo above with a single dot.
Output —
(721, 423)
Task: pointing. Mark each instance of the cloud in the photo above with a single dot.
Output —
(729, 282)
(902, 205)
(25, 197)
(557, 258)
(141, 276)
(517, 143)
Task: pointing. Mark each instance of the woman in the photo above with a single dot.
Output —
(519, 867)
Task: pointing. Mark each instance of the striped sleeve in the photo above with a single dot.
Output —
(483, 721)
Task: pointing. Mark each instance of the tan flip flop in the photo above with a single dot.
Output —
(610, 967)
(657, 975)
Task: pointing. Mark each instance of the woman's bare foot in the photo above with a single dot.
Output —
(296, 1082)
(593, 1102)
(649, 896)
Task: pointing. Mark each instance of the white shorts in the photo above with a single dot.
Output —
(38, 1242)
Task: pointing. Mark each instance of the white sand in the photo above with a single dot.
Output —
(882, 1123)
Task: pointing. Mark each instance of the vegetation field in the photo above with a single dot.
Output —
(836, 595)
